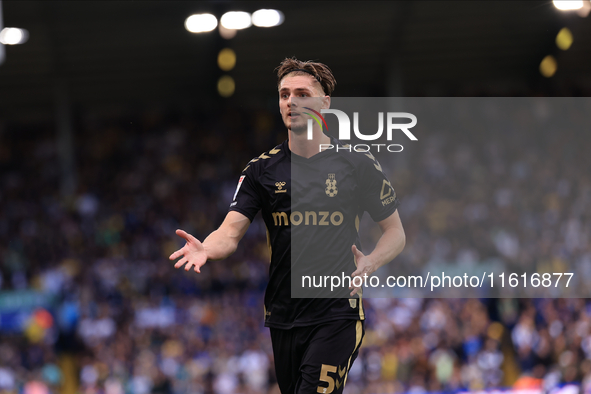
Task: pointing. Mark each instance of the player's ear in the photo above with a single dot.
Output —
(326, 102)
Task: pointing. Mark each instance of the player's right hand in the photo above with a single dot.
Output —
(193, 253)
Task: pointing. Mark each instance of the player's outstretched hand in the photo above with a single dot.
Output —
(193, 253)
(364, 267)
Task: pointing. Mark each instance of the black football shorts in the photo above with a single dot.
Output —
(316, 359)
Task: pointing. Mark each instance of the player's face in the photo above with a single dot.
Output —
(307, 92)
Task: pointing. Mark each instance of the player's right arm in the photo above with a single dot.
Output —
(217, 246)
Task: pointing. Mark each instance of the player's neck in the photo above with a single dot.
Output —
(302, 146)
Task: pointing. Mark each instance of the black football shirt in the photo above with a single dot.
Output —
(312, 207)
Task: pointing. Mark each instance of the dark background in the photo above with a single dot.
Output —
(132, 52)
(112, 135)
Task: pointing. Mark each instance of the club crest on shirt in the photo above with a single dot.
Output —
(331, 186)
(353, 302)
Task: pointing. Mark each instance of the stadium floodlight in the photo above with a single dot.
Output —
(568, 5)
(226, 86)
(564, 38)
(201, 23)
(228, 34)
(548, 66)
(267, 18)
(236, 20)
(13, 36)
(226, 59)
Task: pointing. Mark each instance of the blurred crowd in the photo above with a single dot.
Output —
(120, 319)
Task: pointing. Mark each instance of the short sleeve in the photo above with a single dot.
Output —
(247, 199)
(377, 196)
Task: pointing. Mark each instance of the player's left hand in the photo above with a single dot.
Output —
(364, 267)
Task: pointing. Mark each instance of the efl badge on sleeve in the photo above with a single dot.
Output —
(238, 187)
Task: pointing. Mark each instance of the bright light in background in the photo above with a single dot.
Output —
(564, 39)
(548, 66)
(232, 21)
(584, 11)
(227, 33)
(568, 5)
(13, 36)
(236, 20)
(226, 59)
(2, 49)
(267, 18)
(201, 23)
(226, 86)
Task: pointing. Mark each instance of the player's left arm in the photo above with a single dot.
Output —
(388, 247)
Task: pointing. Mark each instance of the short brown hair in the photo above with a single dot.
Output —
(320, 71)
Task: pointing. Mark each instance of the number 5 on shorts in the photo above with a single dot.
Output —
(325, 378)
